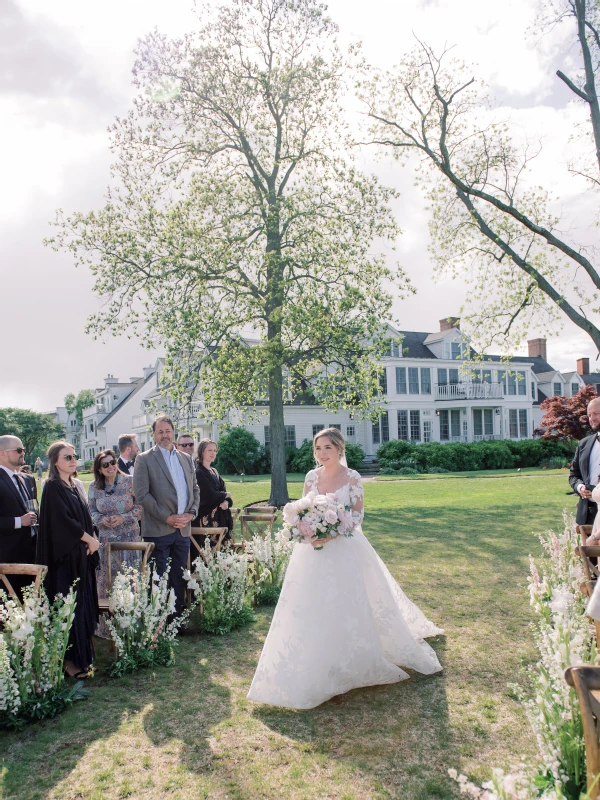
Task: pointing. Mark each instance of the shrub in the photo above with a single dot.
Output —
(532, 452)
(408, 471)
(271, 555)
(354, 455)
(555, 463)
(394, 450)
(438, 471)
(303, 460)
(239, 451)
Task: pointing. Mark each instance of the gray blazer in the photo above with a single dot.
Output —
(154, 489)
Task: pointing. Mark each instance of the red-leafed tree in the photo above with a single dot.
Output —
(566, 417)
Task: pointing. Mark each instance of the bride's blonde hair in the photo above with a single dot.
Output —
(337, 439)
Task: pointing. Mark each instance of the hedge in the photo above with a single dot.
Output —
(468, 457)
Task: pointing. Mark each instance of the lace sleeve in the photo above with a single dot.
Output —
(357, 498)
(310, 482)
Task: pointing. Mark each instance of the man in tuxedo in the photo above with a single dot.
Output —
(17, 534)
(585, 470)
(128, 449)
(165, 485)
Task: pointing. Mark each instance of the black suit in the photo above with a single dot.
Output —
(123, 466)
(17, 545)
(580, 473)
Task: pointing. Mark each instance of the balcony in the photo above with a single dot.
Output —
(486, 437)
(469, 391)
(142, 421)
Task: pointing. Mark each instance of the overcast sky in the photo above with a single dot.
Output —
(65, 73)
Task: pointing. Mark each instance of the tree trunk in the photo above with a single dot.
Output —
(279, 491)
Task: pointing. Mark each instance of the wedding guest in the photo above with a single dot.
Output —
(116, 515)
(17, 520)
(39, 468)
(185, 444)
(128, 450)
(215, 500)
(584, 475)
(67, 546)
(29, 480)
(165, 485)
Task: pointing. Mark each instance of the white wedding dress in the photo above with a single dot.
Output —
(341, 621)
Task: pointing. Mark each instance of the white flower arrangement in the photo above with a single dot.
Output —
(270, 558)
(141, 603)
(219, 580)
(33, 644)
(564, 637)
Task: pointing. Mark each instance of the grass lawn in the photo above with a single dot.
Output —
(458, 548)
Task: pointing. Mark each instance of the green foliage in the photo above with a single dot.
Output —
(435, 457)
(75, 405)
(239, 451)
(555, 463)
(35, 430)
(354, 455)
(303, 459)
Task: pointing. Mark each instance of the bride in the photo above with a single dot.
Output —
(342, 621)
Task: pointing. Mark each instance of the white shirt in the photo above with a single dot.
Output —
(14, 481)
(173, 463)
(594, 470)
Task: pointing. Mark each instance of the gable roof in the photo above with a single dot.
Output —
(140, 384)
(592, 379)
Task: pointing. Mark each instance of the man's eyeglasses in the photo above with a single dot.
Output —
(186, 444)
(106, 464)
(19, 450)
(70, 458)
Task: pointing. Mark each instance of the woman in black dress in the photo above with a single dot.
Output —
(67, 546)
(215, 500)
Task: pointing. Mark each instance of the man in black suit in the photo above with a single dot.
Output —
(128, 450)
(17, 539)
(585, 470)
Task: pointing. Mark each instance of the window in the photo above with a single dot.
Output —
(502, 379)
(476, 376)
(427, 430)
(350, 433)
(513, 429)
(455, 423)
(400, 380)
(383, 381)
(415, 426)
(91, 427)
(376, 433)
(477, 422)
(456, 350)
(453, 376)
(385, 427)
(336, 425)
(557, 389)
(442, 377)
(425, 380)
(444, 426)
(488, 421)
(521, 384)
(413, 380)
(403, 425)
(523, 423)
(574, 389)
(533, 390)
(315, 429)
(290, 435)
(512, 383)
(395, 349)
(483, 422)
(487, 375)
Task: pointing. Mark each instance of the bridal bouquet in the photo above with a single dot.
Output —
(317, 516)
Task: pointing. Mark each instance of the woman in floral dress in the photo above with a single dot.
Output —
(116, 515)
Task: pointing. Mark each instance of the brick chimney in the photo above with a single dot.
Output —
(449, 323)
(537, 347)
(583, 366)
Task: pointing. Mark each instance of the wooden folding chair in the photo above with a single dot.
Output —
(145, 548)
(36, 571)
(587, 552)
(584, 531)
(586, 682)
(255, 525)
(216, 540)
(235, 513)
(260, 510)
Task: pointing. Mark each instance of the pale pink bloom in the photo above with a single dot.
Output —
(330, 516)
(306, 529)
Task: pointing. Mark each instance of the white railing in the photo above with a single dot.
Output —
(455, 439)
(486, 437)
(469, 391)
(142, 421)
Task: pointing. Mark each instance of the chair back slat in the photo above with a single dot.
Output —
(36, 571)
(588, 552)
(586, 680)
(256, 524)
(216, 540)
(584, 532)
(145, 548)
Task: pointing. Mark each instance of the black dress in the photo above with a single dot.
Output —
(64, 518)
(212, 494)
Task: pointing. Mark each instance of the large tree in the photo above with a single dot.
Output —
(565, 418)
(35, 430)
(489, 223)
(239, 234)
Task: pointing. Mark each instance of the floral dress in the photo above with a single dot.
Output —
(115, 500)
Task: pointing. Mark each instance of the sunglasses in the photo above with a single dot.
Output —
(187, 444)
(105, 464)
(19, 450)
(70, 458)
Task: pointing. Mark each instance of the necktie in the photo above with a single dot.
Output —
(22, 490)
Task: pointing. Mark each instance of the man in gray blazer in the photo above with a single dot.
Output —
(164, 483)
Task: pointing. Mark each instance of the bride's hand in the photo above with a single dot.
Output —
(320, 542)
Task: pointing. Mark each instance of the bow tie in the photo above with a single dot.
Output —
(129, 464)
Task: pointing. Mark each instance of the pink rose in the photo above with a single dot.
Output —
(306, 530)
(330, 516)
